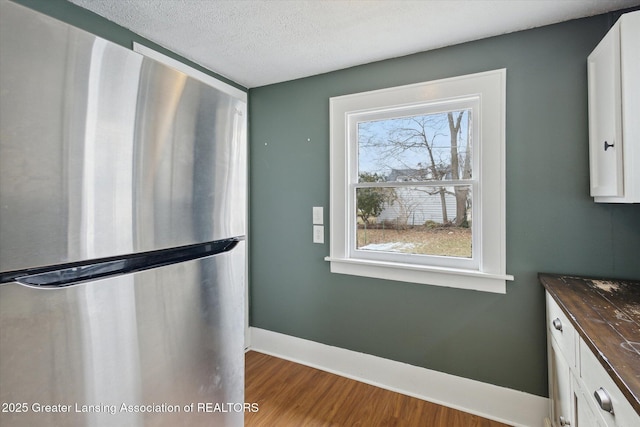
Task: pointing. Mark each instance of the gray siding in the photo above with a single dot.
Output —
(415, 208)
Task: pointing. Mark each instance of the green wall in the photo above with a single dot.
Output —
(552, 223)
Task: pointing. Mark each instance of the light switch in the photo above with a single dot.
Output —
(318, 215)
(318, 234)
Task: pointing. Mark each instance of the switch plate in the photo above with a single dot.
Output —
(318, 234)
(318, 215)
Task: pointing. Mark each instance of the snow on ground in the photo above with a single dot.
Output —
(390, 247)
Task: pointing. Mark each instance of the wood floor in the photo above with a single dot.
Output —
(290, 394)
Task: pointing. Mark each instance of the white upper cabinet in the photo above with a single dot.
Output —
(614, 113)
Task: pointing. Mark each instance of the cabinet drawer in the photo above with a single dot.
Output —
(595, 377)
(561, 330)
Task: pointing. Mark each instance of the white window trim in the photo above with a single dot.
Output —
(353, 118)
(489, 87)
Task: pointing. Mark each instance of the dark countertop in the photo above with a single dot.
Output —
(606, 314)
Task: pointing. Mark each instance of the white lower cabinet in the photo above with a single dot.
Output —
(560, 386)
(605, 396)
(561, 351)
(584, 414)
(581, 392)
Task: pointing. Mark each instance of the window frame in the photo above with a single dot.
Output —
(487, 92)
(420, 109)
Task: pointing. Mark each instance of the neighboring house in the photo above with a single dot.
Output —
(415, 207)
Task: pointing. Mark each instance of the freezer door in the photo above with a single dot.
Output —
(104, 152)
(162, 347)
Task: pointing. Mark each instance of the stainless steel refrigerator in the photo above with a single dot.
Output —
(122, 235)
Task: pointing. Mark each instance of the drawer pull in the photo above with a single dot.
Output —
(603, 399)
(557, 324)
(564, 421)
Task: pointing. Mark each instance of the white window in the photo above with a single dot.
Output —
(418, 183)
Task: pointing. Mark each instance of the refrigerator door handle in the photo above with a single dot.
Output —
(78, 274)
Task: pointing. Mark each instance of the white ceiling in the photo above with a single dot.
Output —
(259, 42)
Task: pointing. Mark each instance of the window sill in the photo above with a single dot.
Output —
(449, 277)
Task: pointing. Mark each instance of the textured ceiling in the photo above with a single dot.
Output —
(259, 42)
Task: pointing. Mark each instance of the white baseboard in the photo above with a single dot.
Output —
(487, 400)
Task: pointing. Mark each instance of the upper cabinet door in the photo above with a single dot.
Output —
(614, 113)
(605, 128)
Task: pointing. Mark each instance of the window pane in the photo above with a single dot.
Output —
(425, 220)
(416, 148)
